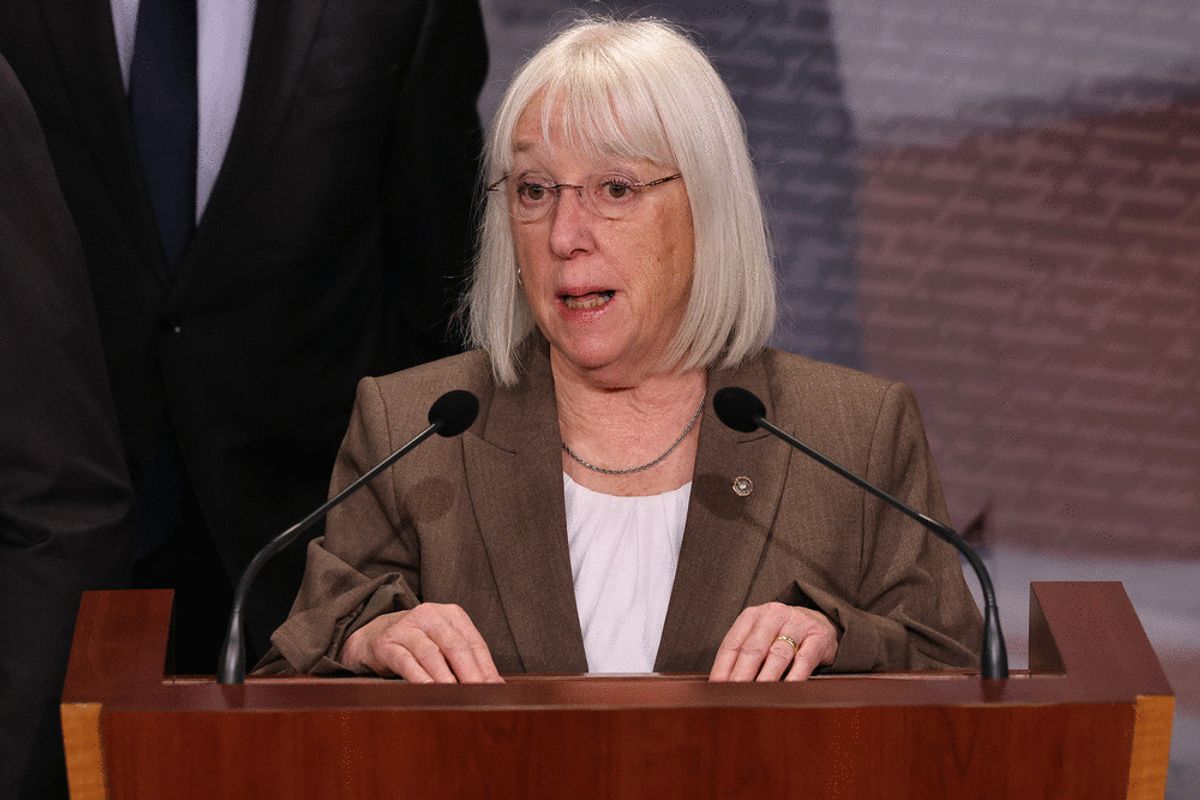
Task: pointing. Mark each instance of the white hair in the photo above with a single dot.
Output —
(637, 89)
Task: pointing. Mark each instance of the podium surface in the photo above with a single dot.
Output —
(1091, 718)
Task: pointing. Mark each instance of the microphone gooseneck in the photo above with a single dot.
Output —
(450, 415)
(742, 411)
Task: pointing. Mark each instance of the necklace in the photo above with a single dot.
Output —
(630, 470)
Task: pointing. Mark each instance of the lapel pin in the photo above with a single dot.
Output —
(742, 486)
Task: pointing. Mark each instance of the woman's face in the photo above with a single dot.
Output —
(608, 294)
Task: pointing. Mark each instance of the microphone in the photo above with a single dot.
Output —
(450, 415)
(743, 411)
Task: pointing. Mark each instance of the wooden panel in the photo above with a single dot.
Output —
(81, 741)
(1044, 657)
(1101, 640)
(1017, 753)
(1151, 748)
(1089, 721)
(120, 644)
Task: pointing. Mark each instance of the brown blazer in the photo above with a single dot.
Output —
(479, 521)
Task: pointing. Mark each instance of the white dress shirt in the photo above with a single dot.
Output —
(223, 31)
(624, 551)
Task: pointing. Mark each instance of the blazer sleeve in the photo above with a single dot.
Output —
(913, 609)
(366, 564)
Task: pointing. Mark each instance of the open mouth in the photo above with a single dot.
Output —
(589, 300)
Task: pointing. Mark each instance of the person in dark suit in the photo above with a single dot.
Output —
(316, 235)
(65, 502)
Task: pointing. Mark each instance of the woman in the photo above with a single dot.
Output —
(597, 516)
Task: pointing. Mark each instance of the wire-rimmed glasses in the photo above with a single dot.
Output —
(610, 195)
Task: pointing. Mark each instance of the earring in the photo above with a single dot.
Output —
(519, 281)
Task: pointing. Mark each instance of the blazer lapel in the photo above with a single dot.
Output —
(725, 533)
(279, 46)
(87, 53)
(514, 475)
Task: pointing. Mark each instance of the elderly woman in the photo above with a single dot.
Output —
(597, 516)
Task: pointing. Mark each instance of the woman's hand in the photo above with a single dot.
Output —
(432, 643)
(757, 647)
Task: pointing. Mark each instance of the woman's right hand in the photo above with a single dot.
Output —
(431, 643)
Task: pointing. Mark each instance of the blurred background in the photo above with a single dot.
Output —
(997, 202)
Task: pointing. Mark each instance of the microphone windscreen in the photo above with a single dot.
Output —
(738, 408)
(455, 410)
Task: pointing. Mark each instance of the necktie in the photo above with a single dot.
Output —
(162, 99)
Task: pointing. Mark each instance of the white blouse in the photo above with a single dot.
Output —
(623, 556)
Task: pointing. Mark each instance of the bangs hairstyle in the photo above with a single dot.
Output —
(631, 90)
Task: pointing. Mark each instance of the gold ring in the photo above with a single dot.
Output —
(789, 640)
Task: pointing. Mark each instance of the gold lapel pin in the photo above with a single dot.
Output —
(742, 486)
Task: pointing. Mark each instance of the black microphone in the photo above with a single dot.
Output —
(450, 415)
(743, 411)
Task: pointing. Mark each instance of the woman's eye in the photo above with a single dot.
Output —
(531, 191)
(617, 190)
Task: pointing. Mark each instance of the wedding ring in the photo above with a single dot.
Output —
(789, 640)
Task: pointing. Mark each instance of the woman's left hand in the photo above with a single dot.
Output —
(757, 647)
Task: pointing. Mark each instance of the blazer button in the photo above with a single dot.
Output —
(170, 326)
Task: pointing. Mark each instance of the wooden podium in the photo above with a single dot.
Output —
(1090, 719)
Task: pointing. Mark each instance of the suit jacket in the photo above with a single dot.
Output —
(479, 520)
(64, 496)
(330, 248)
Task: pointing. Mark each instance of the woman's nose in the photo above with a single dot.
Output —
(571, 224)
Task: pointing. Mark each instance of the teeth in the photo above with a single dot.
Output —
(593, 300)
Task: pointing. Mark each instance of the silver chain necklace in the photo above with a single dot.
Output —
(630, 470)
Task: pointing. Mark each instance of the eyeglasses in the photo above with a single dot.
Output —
(608, 195)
